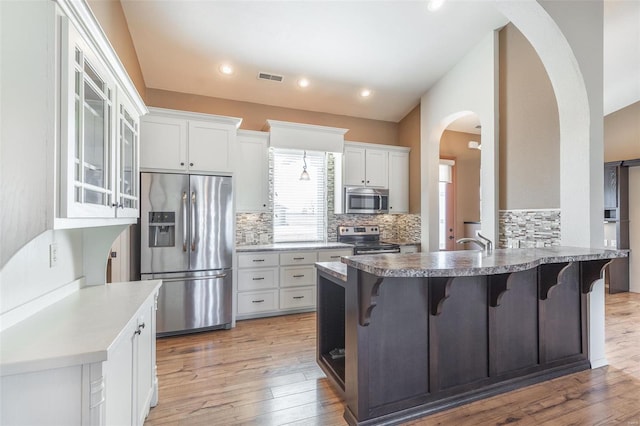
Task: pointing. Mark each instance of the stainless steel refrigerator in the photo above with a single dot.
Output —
(186, 238)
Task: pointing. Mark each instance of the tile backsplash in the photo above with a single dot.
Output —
(257, 228)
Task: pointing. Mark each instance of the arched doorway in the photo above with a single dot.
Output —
(459, 182)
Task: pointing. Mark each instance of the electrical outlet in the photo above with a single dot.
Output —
(606, 242)
(614, 243)
(53, 255)
(264, 238)
(249, 237)
(539, 244)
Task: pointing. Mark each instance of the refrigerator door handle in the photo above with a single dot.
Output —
(184, 221)
(193, 221)
(208, 277)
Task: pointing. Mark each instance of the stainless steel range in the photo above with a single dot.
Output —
(365, 239)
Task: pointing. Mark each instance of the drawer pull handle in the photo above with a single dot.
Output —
(298, 297)
(258, 278)
(298, 276)
(257, 301)
(258, 260)
(336, 257)
(298, 258)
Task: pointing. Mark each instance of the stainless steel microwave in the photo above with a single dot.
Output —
(366, 200)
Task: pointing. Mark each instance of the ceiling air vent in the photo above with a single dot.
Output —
(270, 77)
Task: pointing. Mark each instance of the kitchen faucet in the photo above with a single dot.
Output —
(485, 243)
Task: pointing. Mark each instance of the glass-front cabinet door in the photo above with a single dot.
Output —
(88, 132)
(127, 167)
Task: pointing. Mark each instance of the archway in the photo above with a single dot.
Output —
(459, 182)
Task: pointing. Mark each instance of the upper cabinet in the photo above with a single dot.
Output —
(187, 142)
(365, 166)
(252, 171)
(616, 184)
(399, 181)
(72, 123)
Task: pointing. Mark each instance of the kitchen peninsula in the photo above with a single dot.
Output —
(429, 331)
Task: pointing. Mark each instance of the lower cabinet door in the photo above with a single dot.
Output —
(257, 301)
(144, 361)
(297, 298)
(119, 397)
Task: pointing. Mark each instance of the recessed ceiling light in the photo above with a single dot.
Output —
(434, 5)
(303, 82)
(365, 93)
(226, 69)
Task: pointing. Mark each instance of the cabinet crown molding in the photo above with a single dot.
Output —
(376, 146)
(309, 137)
(188, 115)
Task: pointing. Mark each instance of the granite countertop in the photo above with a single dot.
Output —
(335, 269)
(293, 246)
(472, 262)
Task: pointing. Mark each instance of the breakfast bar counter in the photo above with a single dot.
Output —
(403, 336)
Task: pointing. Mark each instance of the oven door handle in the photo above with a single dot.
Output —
(382, 251)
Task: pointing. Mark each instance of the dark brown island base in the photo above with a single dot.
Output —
(404, 336)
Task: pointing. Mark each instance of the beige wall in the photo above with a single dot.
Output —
(454, 145)
(409, 136)
(111, 17)
(529, 128)
(254, 116)
(622, 134)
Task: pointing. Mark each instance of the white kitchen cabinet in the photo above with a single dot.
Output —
(365, 166)
(399, 181)
(127, 186)
(278, 282)
(333, 255)
(187, 142)
(91, 359)
(252, 171)
(99, 133)
(164, 143)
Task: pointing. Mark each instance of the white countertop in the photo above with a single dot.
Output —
(78, 329)
(293, 246)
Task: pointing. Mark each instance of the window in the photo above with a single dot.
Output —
(299, 211)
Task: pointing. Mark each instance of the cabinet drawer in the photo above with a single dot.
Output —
(295, 298)
(298, 258)
(257, 301)
(333, 255)
(257, 279)
(255, 260)
(296, 276)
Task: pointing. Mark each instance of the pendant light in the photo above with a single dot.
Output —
(305, 174)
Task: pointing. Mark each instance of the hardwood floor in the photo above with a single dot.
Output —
(263, 372)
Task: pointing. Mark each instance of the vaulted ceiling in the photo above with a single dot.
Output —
(396, 49)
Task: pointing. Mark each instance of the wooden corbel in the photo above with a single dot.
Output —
(368, 291)
(438, 293)
(590, 272)
(549, 276)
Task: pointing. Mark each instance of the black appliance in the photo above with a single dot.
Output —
(365, 239)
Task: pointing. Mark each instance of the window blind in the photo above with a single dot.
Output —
(299, 211)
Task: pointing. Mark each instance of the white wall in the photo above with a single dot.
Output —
(634, 229)
(470, 87)
(572, 52)
(27, 276)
